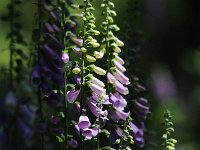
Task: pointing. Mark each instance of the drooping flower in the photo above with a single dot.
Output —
(84, 122)
(118, 101)
(117, 115)
(96, 111)
(121, 77)
(118, 59)
(72, 95)
(120, 88)
(138, 134)
(96, 81)
(97, 89)
(111, 79)
(141, 107)
(119, 66)
(90, 133)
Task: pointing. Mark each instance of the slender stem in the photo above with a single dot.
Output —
(99, 117)
(108, 53)
(65, 77)
(83, 74)
(42, 144)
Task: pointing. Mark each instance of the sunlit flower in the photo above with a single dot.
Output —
(121, 77)
(84, 122)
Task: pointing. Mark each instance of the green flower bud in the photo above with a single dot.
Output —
(98, 70)
(76, 70)
(170, 148)
(90, 58)
(95, 44)
(173, 141)
(117, 49)
(117, 141)
(119, 43)
(164, 136)
(83, 49)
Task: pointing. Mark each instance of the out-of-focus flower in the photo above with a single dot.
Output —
(138, 134)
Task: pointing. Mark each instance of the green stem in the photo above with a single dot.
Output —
(108, 53)
(42, 145)
(98, 138)
(82, 75)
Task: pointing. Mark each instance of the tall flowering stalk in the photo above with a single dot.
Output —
(117, 82)
(47, 74)
(168, 143)
(91, 88)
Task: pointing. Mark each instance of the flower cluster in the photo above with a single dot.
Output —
(47, 73)
(96, 97)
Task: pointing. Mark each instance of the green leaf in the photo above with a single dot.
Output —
(60, 140)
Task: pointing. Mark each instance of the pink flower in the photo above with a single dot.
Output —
(97, 89)
(121, 77)
(119, 66)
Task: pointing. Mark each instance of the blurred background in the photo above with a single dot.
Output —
(168, 59)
